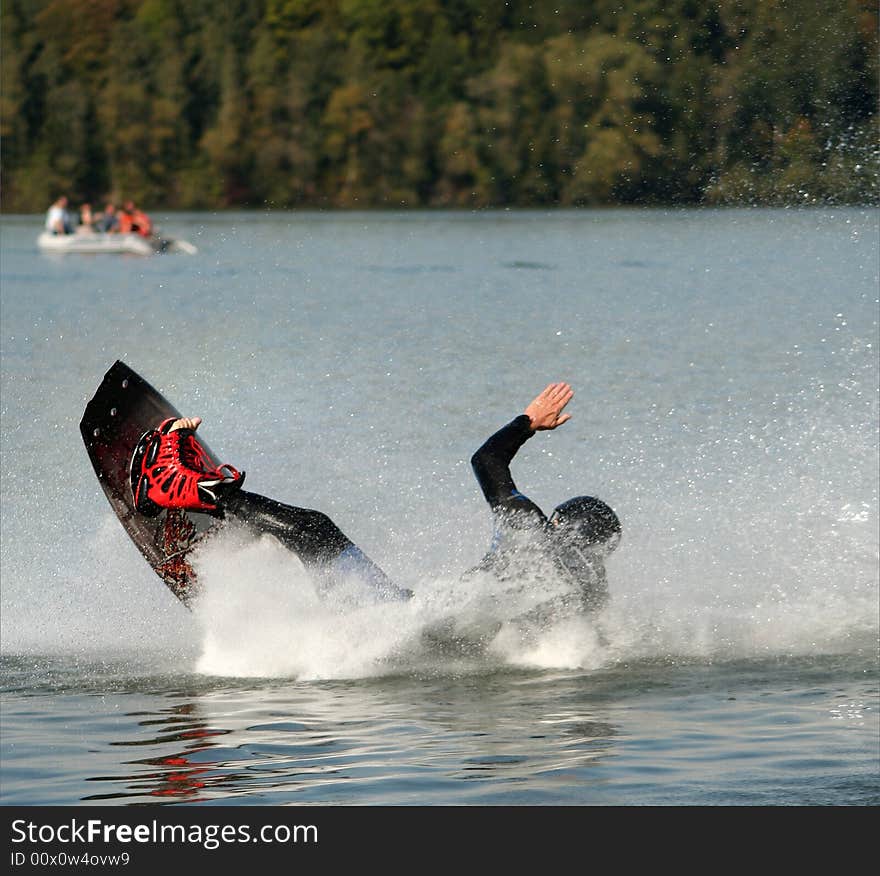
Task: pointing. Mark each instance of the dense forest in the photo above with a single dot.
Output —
(448, 103)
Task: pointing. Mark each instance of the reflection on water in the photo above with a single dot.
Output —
(178, 775)
(274, 760)
(395, 741)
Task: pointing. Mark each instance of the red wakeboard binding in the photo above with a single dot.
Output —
(172, 470)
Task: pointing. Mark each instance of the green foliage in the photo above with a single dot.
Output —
(364, 103)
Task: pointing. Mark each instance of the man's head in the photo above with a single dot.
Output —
(589, 522)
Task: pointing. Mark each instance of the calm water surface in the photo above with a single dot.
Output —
(726, 378)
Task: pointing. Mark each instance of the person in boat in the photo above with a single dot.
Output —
(170, 469)
(57, 218)
(133, 220)
(86, 218)
(108, 221)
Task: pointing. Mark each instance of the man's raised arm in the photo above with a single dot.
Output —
(491, 463)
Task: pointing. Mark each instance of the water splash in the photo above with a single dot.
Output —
(261, 616)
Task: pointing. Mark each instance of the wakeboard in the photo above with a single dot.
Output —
(124, 407)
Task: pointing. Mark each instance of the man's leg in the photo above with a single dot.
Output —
(313, 537)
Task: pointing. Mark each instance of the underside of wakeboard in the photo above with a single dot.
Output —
(124, 407)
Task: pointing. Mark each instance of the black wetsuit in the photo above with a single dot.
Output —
(318, 542)
(324, 548)
(524, 540)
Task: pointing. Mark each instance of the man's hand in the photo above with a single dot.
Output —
(545, 412)
(186, 423)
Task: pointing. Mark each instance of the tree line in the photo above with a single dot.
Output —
(204, 104)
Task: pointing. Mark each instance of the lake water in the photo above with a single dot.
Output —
(725, 371)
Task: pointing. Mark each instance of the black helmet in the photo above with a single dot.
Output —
(588, 518)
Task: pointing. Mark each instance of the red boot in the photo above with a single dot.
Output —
(172, 470)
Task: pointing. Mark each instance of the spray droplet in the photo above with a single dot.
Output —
(96, 433)
(125, 383)
(112, 412)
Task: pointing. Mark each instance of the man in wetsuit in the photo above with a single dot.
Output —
(170, 469)
(573, 543)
